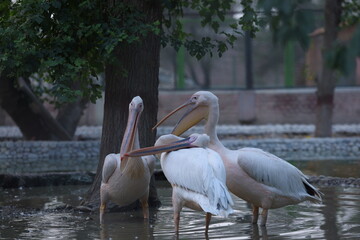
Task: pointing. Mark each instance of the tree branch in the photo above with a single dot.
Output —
(37, 107)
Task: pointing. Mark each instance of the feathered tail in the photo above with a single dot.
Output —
(314, 194)
(220, 198)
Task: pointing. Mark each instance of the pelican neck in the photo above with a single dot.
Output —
(211, 122)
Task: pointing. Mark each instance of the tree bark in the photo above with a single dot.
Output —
(326, 82)
(70, 114)
(33, 120)
(136, 74)
(206, 66)
(37, 107)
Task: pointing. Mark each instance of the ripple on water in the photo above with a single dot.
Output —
(337, 217)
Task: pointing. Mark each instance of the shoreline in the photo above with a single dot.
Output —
(86, 178)
(18, 157)
(224, 131)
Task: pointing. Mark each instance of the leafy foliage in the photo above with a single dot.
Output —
(293, 21)
(350, 14)
(249, 20)
(342, 58)
(343, 54)
(213, 15)
(288, 20)
(67, 43)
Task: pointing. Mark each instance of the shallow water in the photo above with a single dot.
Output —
(334, 168)
(337, 218)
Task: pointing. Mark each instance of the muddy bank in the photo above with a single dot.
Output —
(54, 179)
(45, 179)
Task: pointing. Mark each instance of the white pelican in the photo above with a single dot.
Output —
(124, 180)
(254, 175)
(196, 173)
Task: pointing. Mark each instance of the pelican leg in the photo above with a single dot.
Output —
(255, 215)
(255, 232)
(207, 222)
(145, 205)
(102, 211)
(177, 221)
(264, 233)
(264, 215)
(104, 198)
(177, 205)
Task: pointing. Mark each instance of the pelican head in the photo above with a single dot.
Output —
(194, 140)
(198, 109)
(136, 107)
(170, 142)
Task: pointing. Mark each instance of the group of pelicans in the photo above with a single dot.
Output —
(200, 169)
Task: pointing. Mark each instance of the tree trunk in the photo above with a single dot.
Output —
(33, 120)
(69, 115)
(326, 82)
(192, 72)
(2, 116)
(136, 75)
(206, 66)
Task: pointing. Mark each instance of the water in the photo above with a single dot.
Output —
(22, 215)
(337, 218)
(334, 168)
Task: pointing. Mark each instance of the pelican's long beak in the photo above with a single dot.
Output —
(184, 143)
(130, 132)
(193, 116)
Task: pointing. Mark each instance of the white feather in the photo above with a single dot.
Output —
(111, 162)
(201, 175)
(273, 171)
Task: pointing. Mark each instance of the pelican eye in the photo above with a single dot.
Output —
(194, 99)
(192, 139)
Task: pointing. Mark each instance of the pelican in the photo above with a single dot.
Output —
(124, 179)
(258, 177)
(196, 173)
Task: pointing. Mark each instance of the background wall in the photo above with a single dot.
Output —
(272, 106)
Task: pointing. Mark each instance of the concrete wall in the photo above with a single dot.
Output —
(273, 106)
(48, 156)
(298, 106)
(22, 157)
(293, 106)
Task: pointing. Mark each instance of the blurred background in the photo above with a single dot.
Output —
(268, 79)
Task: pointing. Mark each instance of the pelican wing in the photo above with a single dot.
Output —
(217, 165)
(187, 169)
(190, 170)
(149, 161)
(272, 171)
(110, 164)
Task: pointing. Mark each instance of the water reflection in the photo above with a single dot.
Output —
(329, 210)
(341, 212)
(335, 168)
(125, 225)
(256, 235)
(338, 217)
